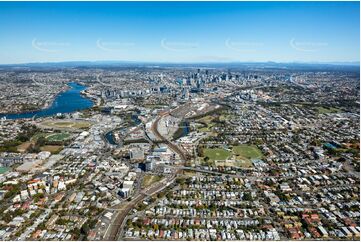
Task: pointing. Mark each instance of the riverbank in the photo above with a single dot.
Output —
(67, 101)
(46, 105)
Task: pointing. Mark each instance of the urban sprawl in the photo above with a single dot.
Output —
(181, 153)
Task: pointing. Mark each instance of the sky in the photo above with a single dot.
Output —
(179, 31)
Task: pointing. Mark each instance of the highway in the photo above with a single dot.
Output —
(115, 229)
(116, 226)
(172, 146)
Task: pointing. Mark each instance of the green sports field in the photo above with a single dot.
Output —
(239, 156)
(58, 137)
(3, 169)
(216, 154)
(52, 136)
(247, 151)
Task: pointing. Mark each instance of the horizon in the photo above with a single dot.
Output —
(177, 32)
(180, 121)
(114, 62)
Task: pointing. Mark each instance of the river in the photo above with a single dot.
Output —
(65, 102)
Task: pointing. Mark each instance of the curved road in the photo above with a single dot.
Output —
(172, 146)
(115, 228)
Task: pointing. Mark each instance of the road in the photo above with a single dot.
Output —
(32, 228)
(115, 229)
(172, 146)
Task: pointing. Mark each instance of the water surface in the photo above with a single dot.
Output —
(65, 102)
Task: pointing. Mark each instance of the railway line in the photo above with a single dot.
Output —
(175, 148)
(116, 227)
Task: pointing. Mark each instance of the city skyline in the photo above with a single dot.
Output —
(179, 32)
(180, 121)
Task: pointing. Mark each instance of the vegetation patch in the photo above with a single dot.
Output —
(244, 163)
(238, 156)
(323, 110)
(24, 146)
(12, 145)
(182, 130)
(207, 119)
(52, 137)
(54, 149)
(247, 151)
(206, 123)
(216, 154)
(58, 137)
(189, 173)
(3, 169)
(67, 124)
(150, 179)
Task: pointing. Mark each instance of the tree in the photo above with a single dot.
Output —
(33, 149)
(61, 221)
(41, 141)
(76, 233)
(38, 196)
(84, 229)
(247, 196)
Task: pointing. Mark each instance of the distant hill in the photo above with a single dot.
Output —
(301, 66)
